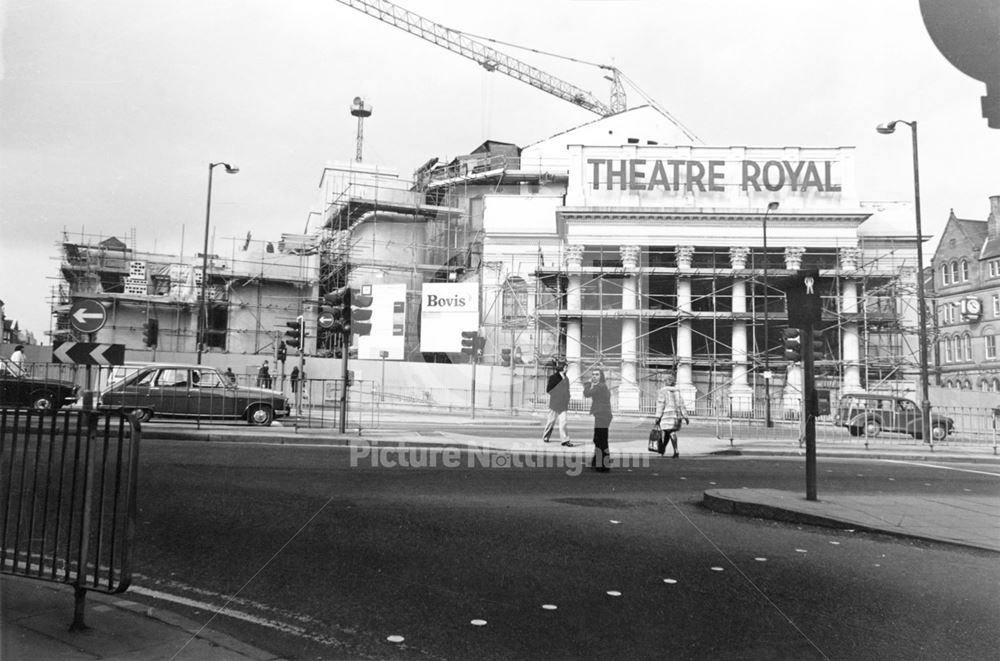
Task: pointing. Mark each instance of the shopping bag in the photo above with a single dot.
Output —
(657, 443)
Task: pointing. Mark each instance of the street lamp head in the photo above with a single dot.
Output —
(772, 206)
(230, 169)
(886, 129)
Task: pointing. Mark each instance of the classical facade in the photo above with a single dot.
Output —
(620, 244)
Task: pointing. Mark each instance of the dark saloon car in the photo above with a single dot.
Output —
(192, 391)
(871, 414)
(18, 389)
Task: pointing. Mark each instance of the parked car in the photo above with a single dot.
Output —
(192, 391)
(19, 389)
(871, 414)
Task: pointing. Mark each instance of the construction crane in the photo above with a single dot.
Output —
(494, 60)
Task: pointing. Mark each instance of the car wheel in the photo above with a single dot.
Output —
(873, 428)
(260, 414)
(43, 401)
(938, 433)
(142, 415)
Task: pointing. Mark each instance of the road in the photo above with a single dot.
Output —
(316, 558)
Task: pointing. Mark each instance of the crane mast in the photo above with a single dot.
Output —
(490, 58)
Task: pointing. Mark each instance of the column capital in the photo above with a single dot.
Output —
(793, 258)
(630, 256)
(684, 256)
(849, 258)
(574, 257)
(738, 257)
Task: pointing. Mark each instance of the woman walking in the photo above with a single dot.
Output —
(670, 405)
(600, 408)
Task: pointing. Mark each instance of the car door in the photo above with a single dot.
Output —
(168, 393)
(131, 391)
(209, 394)
(908, 417)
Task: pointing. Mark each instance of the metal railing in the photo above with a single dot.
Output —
(68, 498)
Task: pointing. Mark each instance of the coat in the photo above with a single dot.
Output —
(670, 404)
(600, 404)
(558, 389)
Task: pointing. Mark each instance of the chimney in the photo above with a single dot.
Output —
(993, 222)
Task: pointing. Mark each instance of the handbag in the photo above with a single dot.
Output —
(657, 442)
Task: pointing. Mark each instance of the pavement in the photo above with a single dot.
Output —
(35, 615)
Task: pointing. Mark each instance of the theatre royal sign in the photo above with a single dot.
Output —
(717, 177)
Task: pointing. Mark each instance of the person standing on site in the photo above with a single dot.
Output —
(600, 407)
(17, 358)
(558, 390)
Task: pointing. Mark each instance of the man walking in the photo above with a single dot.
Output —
(558, 389)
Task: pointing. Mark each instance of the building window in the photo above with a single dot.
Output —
(968, 347)
(967, 385)
(965, 270)
(944, 274)
(515, 302)
(991, 346)
(996, 305)
(994, 268)
(949, 350)
(995, 387)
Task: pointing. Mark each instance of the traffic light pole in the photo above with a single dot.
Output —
(343, 377)
(473, 360)
(809, 408)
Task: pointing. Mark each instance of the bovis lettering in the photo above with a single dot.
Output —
(435, 301)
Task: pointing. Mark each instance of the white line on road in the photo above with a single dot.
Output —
(944, 468)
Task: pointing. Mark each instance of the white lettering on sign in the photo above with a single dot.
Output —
(709, 176)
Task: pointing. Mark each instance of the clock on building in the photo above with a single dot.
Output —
(972, 307)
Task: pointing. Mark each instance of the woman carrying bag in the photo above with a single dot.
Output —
(670, 405)
(600, 408)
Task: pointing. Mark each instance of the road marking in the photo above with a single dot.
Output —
(944, 468)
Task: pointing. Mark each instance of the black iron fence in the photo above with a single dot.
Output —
(68, 498)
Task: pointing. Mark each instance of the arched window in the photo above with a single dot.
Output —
(954, 272)
(965, 270)
(944, 274)
(990, 340)
(515, 302)
(949, 350)
(996, 386)
(967, 385)
(984, 386)
(968, 347)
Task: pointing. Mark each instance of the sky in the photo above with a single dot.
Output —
(111, 111)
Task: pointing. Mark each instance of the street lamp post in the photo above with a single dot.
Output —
(771, 206)
(925, 404)
(202, 309)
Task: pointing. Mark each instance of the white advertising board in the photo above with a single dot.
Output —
(447, 309)
(388, 323)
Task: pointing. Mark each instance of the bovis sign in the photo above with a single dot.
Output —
(717, 177)
(446, 309)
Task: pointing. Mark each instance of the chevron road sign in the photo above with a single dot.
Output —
(87, 315)
(87, 353)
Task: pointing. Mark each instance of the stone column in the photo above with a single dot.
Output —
(628, 388)
(850, 342)
(740, 393)
(574, 323)
(793, 258)
(685, 353)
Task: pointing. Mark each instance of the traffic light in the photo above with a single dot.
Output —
(295, 333)
(282, 352)
(151, 332)
(818, 347)
(480, 344)
(340, 307)
(793, 345)
(505, 357)
(361, 314)
(470, 342)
